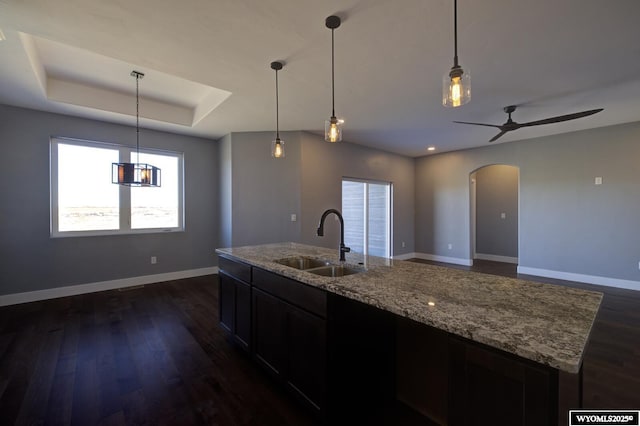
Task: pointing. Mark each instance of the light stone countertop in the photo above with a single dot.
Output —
(546, 323)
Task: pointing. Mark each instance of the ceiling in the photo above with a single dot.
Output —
(207, 65)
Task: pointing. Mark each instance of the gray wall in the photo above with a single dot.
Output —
(226, 191)
(324, 166)
(266, 191)
(567, 223)
(497, 193)
(31, 260)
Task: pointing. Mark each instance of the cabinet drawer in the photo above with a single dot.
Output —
(306, 297)
(234, 268)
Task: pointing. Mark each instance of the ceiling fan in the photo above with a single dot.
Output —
(511, 125)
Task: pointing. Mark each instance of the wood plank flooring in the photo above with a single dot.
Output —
(149, 356)
(156, 356)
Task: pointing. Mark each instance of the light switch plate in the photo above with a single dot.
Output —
(598, 180)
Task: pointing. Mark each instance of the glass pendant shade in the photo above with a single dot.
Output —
(333, 130)
(135, 174)
(277, 148)
(456, 88)
(456, 84)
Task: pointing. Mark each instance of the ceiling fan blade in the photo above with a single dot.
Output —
(561, 118)
(499, 135)
(478, 124)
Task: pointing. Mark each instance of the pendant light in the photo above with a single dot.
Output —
(136, 174)
(456, 85)
(277, 146)
(333, 126)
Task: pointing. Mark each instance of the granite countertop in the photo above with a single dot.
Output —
(546, 323)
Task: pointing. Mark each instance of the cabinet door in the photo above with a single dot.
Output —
(242, 332)
(227, 301)
(269, 328)
(306, 368)
(489, 388)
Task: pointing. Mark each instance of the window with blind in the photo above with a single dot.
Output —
(366, 209)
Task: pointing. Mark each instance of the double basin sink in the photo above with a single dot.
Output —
(319, 266)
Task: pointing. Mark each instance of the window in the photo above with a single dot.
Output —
(366, 209)
(85, 202)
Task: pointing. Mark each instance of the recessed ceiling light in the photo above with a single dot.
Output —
(431, 148)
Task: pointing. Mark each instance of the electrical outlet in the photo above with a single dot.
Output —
(503, 215)
(403, 244)
(154, 260)
(294, 217)
(450, 246)
(598, 180)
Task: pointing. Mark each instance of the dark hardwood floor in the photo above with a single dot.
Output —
(148, 356)
(156, 356)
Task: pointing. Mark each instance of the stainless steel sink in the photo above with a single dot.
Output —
(336, 270)
(302, 263)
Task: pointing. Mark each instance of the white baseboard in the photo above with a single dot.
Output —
(567, 276)
(588, 279)
(54, 293)
(405, 256)
(446, 259)
(496, 258)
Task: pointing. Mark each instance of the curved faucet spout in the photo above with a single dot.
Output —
(320, 231)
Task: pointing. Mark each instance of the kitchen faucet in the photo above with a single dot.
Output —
(320, 231)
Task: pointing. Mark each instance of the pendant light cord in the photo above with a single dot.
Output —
(455, 33)
(333, 84)
(137, 120)
(277, 110)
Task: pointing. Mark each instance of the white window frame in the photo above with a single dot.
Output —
(124, 191)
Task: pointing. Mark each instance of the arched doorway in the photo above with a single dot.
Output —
(495, 213)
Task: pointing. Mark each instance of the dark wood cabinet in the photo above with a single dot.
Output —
(242, 331)
(227, 302)
(234, 301)
(269, 331)
(492, 388)
(290, 336)
(307, 361)
(282, 323)
(345, 359)
(422, 369)
(454, 381)
(361, 361)
(303, 296)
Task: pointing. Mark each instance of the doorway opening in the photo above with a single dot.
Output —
(495, 213)
(366, 209)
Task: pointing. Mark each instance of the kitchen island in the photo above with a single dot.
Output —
(499, 347)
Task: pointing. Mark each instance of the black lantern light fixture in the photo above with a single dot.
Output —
(136, 174)
(456, 87)
(333, 126)
(277, 146)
